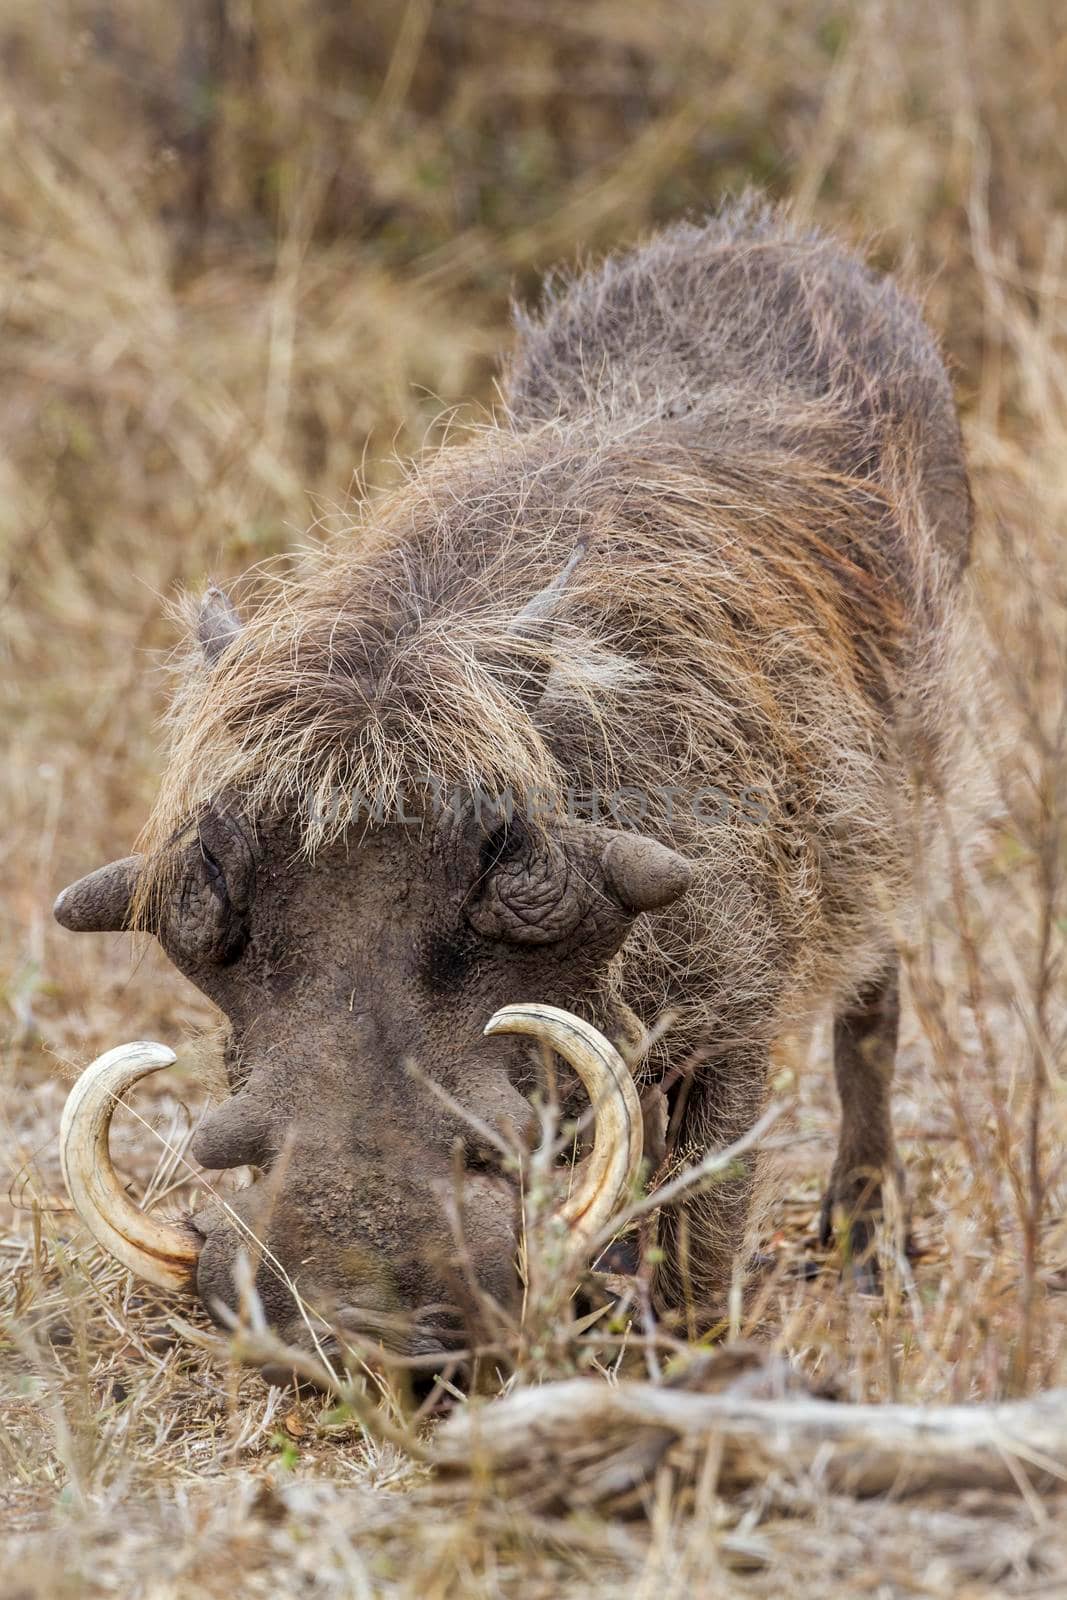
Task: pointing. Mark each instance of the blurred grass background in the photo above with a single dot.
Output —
(249, 251)
(253, 253)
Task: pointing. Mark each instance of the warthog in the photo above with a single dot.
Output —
(636, 703)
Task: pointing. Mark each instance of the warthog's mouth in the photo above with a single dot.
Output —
(412, 1353)
(166, 1253)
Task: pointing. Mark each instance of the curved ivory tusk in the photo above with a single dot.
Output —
(163, 1253)
(607, 1175)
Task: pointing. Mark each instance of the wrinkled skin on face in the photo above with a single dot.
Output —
(338, 975)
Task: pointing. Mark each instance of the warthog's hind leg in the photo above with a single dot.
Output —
(865, 1047)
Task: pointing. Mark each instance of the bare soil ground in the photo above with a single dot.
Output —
(248, 256)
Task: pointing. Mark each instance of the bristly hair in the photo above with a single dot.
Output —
(391, 656)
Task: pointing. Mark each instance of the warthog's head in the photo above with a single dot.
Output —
(368, 1095)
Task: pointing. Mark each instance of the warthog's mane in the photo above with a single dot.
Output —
(735, 622)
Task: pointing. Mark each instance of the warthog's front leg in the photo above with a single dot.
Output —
(701, 1236)
(865, 1047)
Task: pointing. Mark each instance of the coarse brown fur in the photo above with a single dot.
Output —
(753, 439)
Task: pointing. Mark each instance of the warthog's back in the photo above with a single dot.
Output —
(753, 333)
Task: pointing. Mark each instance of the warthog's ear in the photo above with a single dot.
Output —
(643, 874)
(100, 902)
(217, 623)
(533, 626)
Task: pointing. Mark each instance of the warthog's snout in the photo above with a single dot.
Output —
(278, 1241)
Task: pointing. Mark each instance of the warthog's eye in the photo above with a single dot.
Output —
(449, 957)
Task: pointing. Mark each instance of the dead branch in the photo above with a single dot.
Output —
(584, 1442)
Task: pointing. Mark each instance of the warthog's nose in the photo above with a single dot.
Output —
(376, 1256)
(413, 1352)
(290, 1254)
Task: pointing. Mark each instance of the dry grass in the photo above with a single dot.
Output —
(233, 270)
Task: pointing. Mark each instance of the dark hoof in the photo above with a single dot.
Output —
(859, 1244)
